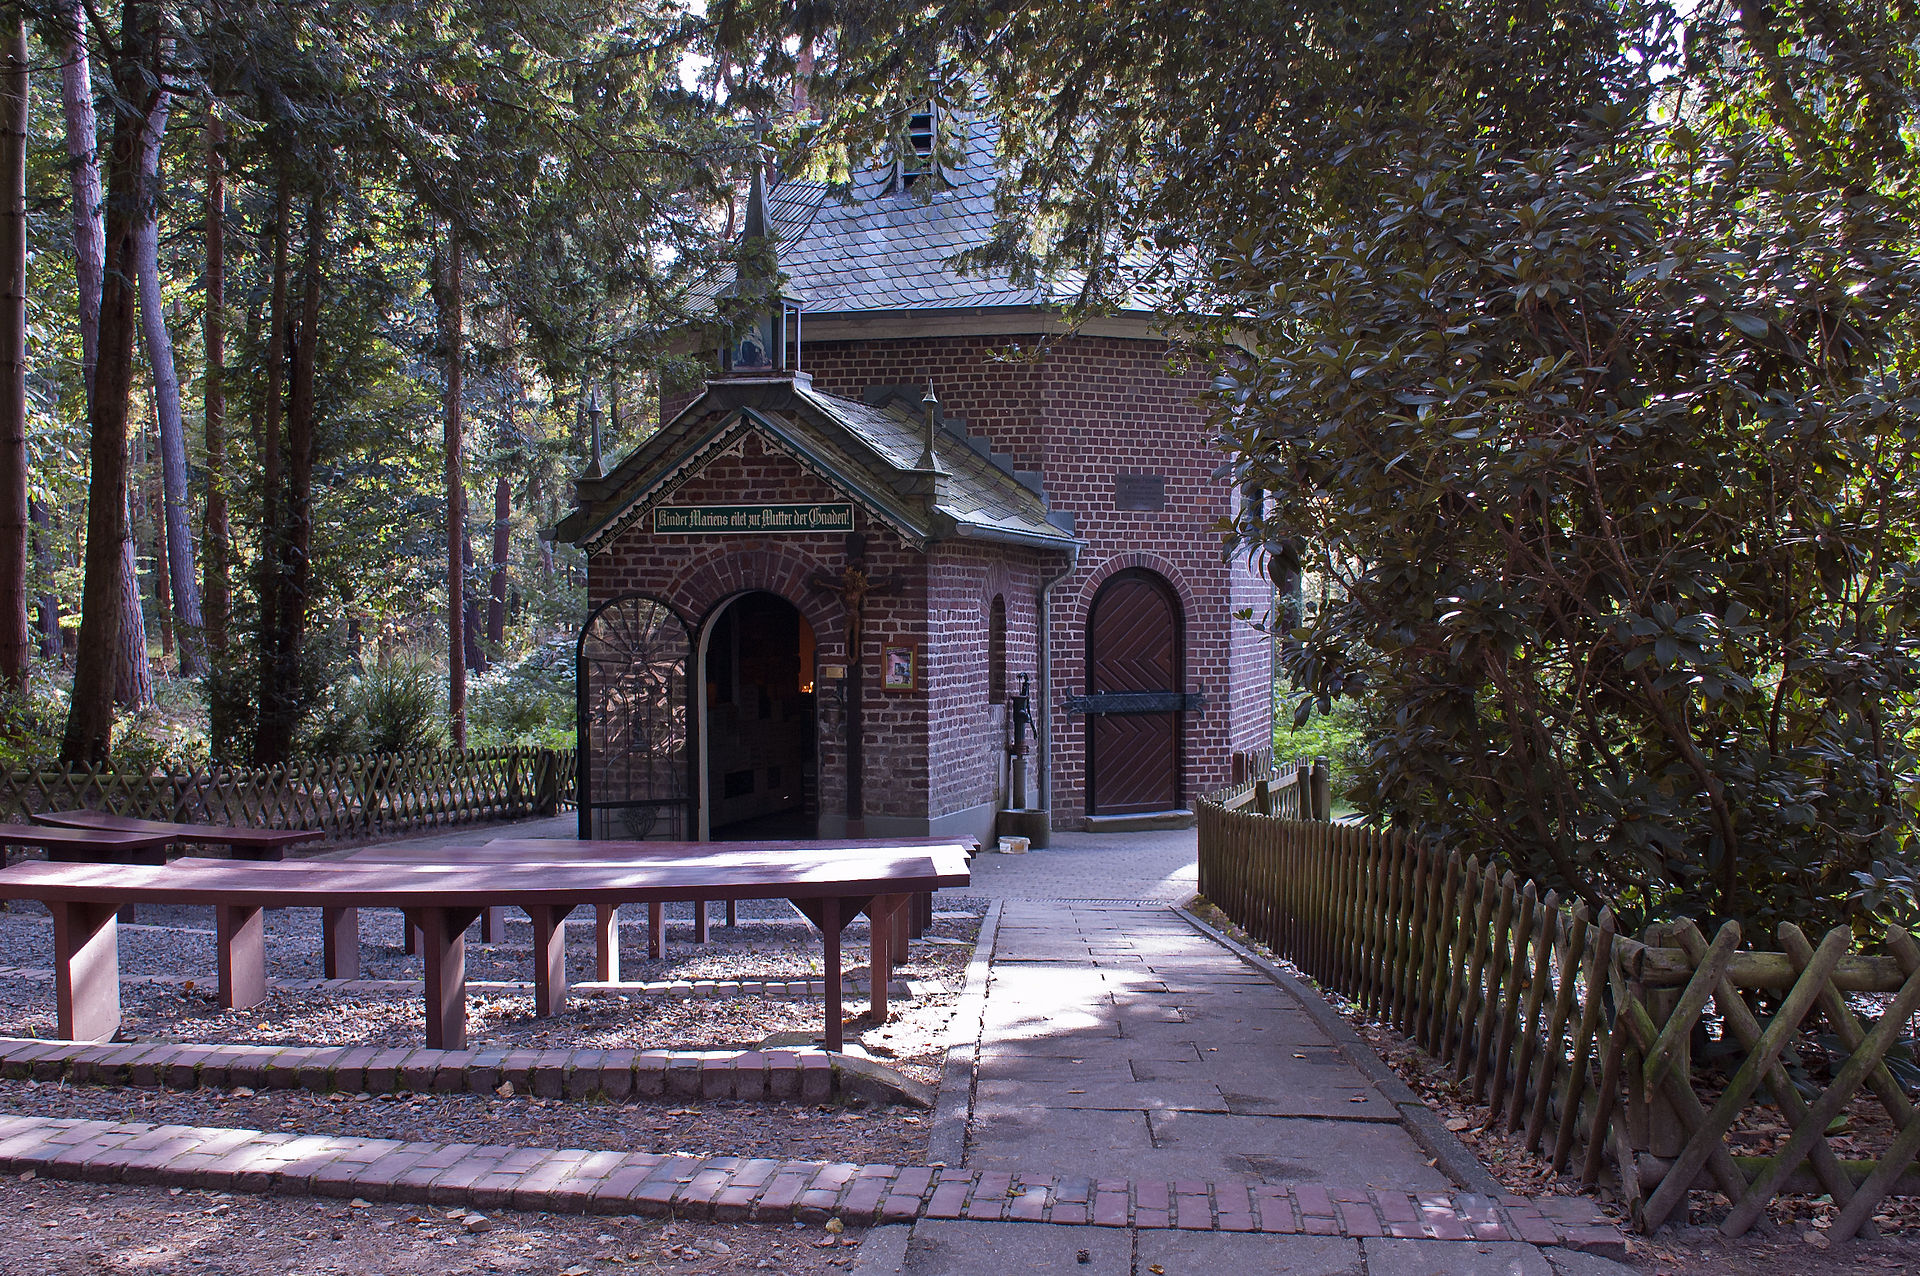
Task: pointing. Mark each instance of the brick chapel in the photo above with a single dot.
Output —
(918, 559)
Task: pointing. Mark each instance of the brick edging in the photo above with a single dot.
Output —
(736, 1189)
(805, 1076)
(953, 1108)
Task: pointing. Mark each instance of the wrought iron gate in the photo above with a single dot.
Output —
(636, 746)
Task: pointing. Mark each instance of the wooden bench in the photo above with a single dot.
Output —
(830, 887)
(88, 846)
(241, 843)
(607, 920)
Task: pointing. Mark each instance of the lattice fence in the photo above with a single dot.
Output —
(1583, 1041)
(348, 797)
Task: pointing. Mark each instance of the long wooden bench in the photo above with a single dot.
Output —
(830, 887)
(88, 846)
(607, 920)
(241, 843)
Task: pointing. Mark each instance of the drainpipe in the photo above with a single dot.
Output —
(1043, 702)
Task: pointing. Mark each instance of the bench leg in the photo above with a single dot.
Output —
(549, 958)
(699, 921)
(242, 942)
(880, 915)
(830, 925)
(656, 931)
(443, 934)
(606, 943)
(410, 935)
(733, 913)
(493, 926)
(902, 928)
(340, 942)
(86, 959)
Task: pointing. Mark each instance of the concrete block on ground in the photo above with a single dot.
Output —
(1453, 1258)
(939, 1248)
(1237, 1252)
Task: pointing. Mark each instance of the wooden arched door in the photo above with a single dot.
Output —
(1135, 674)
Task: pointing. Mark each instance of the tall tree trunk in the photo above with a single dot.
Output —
(448, 301)
(89, 731)
(270, 736)
(83, 160)
(219, 592)
(15, 645)
(183, 586)
(132, 670)
(296, 566)
(470, 613)
(44, 559)
(162, 587)
(497, 596)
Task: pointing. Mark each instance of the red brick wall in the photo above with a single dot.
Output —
(696, 574)
(1084, 409)
(966, 731)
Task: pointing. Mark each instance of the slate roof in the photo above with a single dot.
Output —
(871, 451)
(867, 247)
(872, 247)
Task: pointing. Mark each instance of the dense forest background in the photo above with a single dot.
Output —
(372, 277)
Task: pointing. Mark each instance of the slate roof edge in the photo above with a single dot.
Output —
(1062, 543)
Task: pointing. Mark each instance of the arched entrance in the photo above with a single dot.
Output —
(635, 753)
(761, 777)
(1135, 673)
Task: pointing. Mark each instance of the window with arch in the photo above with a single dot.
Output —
(997, 651)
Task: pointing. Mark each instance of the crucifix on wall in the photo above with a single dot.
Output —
(853, 584)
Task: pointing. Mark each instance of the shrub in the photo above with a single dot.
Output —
(391, 708)
(529, 701)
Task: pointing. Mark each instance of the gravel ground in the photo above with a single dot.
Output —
(178, 942)
(65, 1229)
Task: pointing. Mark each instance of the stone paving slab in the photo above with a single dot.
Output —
(566, 1180)
(1231, 1077)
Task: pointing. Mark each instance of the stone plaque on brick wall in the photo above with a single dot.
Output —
(1139, 491)
(729, 520)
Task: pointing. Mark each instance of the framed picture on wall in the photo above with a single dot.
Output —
(897, 660)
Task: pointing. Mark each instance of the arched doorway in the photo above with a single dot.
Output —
(762, 780)
(1135, 672)
(635, 777)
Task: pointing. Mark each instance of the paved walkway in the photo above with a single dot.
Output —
(1117, 1038)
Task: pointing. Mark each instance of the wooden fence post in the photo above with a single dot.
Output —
(1322, 789)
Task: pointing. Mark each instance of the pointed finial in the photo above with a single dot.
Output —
(756, 222)
(930, 404)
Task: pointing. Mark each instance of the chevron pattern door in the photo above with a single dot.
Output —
(1133, 644)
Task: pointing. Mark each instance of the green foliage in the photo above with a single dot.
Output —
(30, 725)
(529, 701)
(152, 739)
(392, 708)
(1613, 445)
(1338, 734)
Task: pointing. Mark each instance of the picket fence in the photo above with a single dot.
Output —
(347, 798)
(1582, 1040)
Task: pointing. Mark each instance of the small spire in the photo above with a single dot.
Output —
(756, 222)
(930, 404)
(596, 467)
